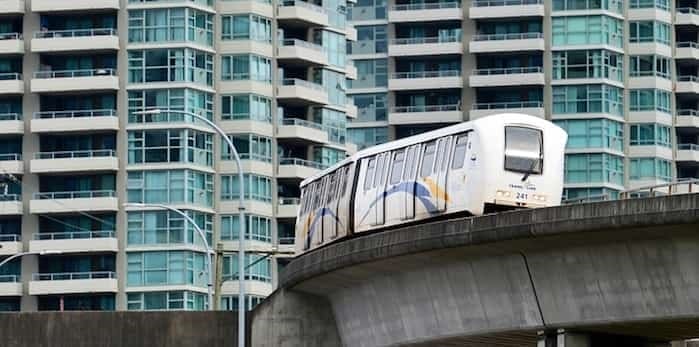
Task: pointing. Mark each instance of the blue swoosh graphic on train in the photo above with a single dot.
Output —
(319, 214)
(422, 193)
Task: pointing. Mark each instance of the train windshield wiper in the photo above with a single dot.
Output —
(531, 169)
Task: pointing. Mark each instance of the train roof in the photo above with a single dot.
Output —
(426, 136)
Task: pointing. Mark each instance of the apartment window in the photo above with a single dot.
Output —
(90, 302)
(246, 67)
(166, 268)
(10, 304)
(371, 39)
(257, 228)
(189, 100)
(371, 73)
(327, 156)
(334, 83)
(650, 169)
(649, 31)
(246, 106)
(593, 98)
(588, 64)
(171, 25)
(334, 45)
(230, 303)
(170, 187)
(164, 227)
(256, 187)
(591, 194)
(261, 271)
(587, 30)
(650, 134)
(660, 4)
(368, 10)
(577, 5)
(160, 301)
(246, 27)
(367, 137)
(171, 65)
(649, 100)
(594, 168)
(170, 146)
(249, 147)
(593, 133)
(333, 122)
(649, 65)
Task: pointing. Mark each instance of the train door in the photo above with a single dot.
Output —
(441, 170)
(329, 205)
(458, 176)
(382, 166)
(412, 159)
(424, 192)
(342, 213)
(365, 213)
(394, 202)
(318, 203)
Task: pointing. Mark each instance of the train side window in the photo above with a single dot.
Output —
(440, 154)
(447, 152)
(380, 164)
(369, 178)
(459, 152)
(428, 159)
(409, 166)
(341, 181)
(332, 184)
(397, 169)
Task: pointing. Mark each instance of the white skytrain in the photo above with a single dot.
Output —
(498, 162)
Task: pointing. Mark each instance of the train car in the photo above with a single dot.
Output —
(498, 162)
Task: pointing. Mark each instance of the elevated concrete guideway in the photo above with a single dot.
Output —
(628, 267)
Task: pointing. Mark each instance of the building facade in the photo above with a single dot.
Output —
(620, 76)
(76, 145)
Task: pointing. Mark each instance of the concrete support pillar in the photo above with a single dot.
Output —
(562, 338)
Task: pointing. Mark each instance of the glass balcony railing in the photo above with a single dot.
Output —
(10, 197)
(97, 153)
(688, 147)
(426, 6)
(687, 78)
(10, 156)
(358, 13)
(663, 5)
(75, 114)
(68, 276)
(425, 40)
(208, 3)
(71, 235)
(503, 105)
(289, 201)
(687, 10)
(10, 76)
(302, 162)
(302, 43)
(301, 122)
(508, 71)
(687, 44)
(75, 73)
(10, 116)
(9, 278)
(426, 108)
(11, 36)
(75, 33)
(493, 3)
(302, 83)
(303, 4)
(9, 238)
(687, 113)
(83, 194)
(513, 36)
(426, 74)
(286, 240)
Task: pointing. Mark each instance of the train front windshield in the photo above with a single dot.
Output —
(523, 150)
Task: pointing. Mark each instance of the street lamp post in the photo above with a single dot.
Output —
(21, 254)
(241, 215)
(201, 233)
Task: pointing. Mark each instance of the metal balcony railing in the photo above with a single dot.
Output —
(687, 44)
(688, 147)
(10, 76)
(10, 116)
(10, 197)
(426, 40)
(9, 278)
(97, 153)
(304, 4)
(494, 3)
(11, 36)
(75, 114)
(71, 235)
(75, 33)
(688, 10)
(514, 36)
(425, 108)
(302, 162)
(687, 78)
(286, 240)
(289, 201)
(85, 194)
(688, 112)
(680, 186)
(302, 43)
(10, 238)
(302, 83)
(426, 74)
(508, 71)
(504, 105)
(68, 276)
(301, 122)
(75, 73)
(426, 6)
(10, 156)
(648, 4)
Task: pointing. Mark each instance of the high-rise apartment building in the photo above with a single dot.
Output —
(621, 76)
(75, 145)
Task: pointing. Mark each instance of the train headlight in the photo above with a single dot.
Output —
(541, 198)
(503, 193)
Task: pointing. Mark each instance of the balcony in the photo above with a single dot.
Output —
(687, 118)
(74, 80)
(425, 46)
(420, 80)
(73, 283)
(73, 5)
(403, 115)
(77, 241)
(687, 16)
(301, 92)
(533, 108)
(10, 205)
(513, 76)
(687, 84)
(301, 131)
(298, 169)
(490, 9)
(75, 201)
(258, 7)
(75, 40)
(296, 13)
(494, 43)
(350, 71)
(11, 43)
(288, 208)
(425, 12)
(9, 245)
(75, 161)
(12, 6)
(300, 53)
(76, 120)
(11, 83)
(649, 80)
(687, 50)
(11, 163)
(11, 124)
(10, 285)
(687, 152)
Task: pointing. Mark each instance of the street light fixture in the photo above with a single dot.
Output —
(21, 254)
(191, 221)
(241, 213)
